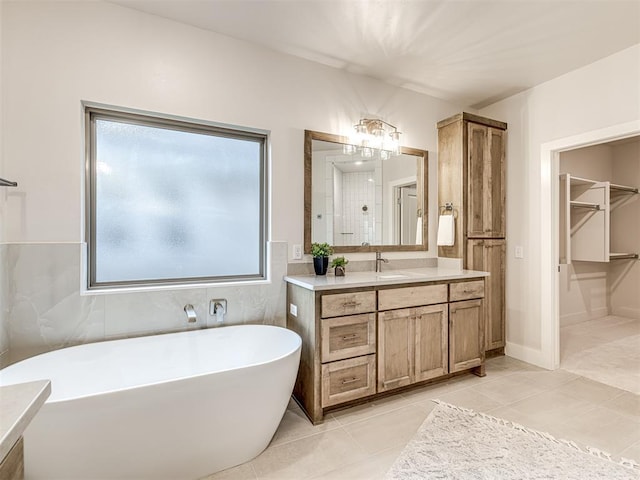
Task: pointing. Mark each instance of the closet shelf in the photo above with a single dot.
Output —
(623, 256)
(590, 206)
(582, 181)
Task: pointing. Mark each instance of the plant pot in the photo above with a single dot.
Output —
(339, 271)
(320, 265)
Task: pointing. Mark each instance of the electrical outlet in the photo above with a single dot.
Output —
(297, 252)
(519, 252)
(293, 309)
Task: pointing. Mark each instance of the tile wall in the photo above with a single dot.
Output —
(44, 309)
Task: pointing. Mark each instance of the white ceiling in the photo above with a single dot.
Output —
(471, 52)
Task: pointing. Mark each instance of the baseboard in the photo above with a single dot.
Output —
(579, 317)
(527, 354)
(627, 312)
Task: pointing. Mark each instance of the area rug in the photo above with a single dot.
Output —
(458, 443)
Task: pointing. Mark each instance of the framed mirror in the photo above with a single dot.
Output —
(363, 201)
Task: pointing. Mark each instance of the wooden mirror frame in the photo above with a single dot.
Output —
(423, 193)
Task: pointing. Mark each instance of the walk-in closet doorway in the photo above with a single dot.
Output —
(548, 186)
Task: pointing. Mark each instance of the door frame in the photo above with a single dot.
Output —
(547, 186)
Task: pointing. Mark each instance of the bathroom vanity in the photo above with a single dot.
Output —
(367, 334)
(19, 403)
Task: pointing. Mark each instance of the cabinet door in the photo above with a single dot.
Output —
(466, 340)
(489, 256)
(485, 181)
(431, 342)
(395, 348)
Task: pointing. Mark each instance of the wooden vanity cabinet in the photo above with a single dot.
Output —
(471, 176)
(360, 342)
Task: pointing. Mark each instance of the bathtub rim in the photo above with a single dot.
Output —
(53, 401)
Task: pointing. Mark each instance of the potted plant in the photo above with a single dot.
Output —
(339, 263)
(320, 253)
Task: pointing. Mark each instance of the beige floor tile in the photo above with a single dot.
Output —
(605, 349)
(547, 378)
(388, 430)
(525, 419)
(627, 403)
(370, 409)
(371, 468)
(429, 392)
(241, 472)
(296, 425)
(603, 428)
(510, 364)
(549, 408)
(509, 389)
(594, 392)
(632, 452)
(471, 398)
(308, 456)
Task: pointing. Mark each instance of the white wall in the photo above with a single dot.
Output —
(4, 334)
(57, 54)
(598, 96)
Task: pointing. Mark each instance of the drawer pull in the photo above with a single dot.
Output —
(350, 380)
(353, 336)
(350, 304)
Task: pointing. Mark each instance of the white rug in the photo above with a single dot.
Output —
(457, 443)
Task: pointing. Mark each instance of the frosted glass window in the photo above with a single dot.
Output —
(173, 202)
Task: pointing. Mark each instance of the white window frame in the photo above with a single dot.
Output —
(92, 112)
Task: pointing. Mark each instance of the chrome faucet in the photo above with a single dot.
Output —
(378, 260)
(191, 313)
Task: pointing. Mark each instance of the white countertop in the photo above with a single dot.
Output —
(390, 277)
(18, 405)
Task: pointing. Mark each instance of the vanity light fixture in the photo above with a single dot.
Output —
(374, 134)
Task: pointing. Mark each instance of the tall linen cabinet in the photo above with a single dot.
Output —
(471, 173)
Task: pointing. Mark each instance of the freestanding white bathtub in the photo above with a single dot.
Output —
(173, 406)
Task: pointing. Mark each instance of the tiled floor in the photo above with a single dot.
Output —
(363, 441)
(605, 349)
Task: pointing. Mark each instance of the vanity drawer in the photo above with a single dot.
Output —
(411, 296)
(341, 304)
(348, 380)
(466, 290)
(345, 337)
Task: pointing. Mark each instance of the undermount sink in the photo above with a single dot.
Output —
(392, 275)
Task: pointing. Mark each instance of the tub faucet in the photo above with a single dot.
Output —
(191, 313)
(378, 260)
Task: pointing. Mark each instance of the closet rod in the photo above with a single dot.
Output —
(623, 188)
(590, 206)
(623, 256)
(7, 183)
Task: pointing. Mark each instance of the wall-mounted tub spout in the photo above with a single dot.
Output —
(191, 313)
(218, 309)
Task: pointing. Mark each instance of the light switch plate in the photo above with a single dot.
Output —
(519, 252)
(293, 309)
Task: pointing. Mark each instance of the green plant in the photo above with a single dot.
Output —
(339, 262)
(321, 249)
